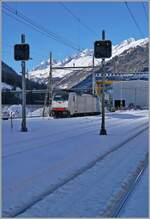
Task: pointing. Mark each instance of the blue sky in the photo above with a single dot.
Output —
(113, 17)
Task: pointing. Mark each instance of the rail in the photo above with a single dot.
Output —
(71, 177)
(118, 202)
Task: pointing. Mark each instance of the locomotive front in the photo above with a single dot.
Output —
(60, 104)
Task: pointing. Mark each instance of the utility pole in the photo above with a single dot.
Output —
(135, 97)
(116, 72)
(121, 98)
(27, 74)
(49, 91)
(45, 101)
(23, 65)
(93, 77)
(50, 84)
(103, 130)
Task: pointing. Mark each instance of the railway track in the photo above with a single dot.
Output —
(118, 203)
(80, 125)
(31, 148)
(95, 120)
(74, 175)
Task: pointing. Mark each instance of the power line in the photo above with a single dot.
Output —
(12, 47)
(79, 34)
(77, 18)
(145, 12)
(22, 16)
(133, 18)
(15, 18)
(27, 21)
(39, 28)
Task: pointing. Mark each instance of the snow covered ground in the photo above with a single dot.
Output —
(138, 201)
(31, 110)
(8, 87)
(50, 171)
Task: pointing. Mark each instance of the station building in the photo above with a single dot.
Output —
(128, 93)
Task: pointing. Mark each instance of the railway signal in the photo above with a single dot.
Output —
(21, 53)
(103, 49)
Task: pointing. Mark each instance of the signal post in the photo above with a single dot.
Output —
(103, 49)
(21, 53)
(23, 65)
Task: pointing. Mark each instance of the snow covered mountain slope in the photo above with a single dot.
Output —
(84, 58)
(127, 44)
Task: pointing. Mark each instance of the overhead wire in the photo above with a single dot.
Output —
(133, 18)
(145, 12)
(45, 32)
(27, 21)
(16, 12)
(23, 23)
(12, 47)
(78, 19)
(79, 34)
(15, 18)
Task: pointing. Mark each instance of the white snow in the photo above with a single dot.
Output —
(127, 44)
(38, 112)
(5, 86)
(138, 201)
(55, 149)
(85, 196)
(16, 110)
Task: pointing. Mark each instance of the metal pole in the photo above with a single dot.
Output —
(27, 74)
(135, 96)
(103, 130)
(121, 85)
(50, 84)
(93, 78)
(121, 98)
(11, 119)
(45, 101)
(23, 65)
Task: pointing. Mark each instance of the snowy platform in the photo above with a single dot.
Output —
(54, 150)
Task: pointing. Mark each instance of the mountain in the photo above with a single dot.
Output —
(131, 55)
(12, 80)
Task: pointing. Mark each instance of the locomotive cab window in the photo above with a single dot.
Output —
(61, 97)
